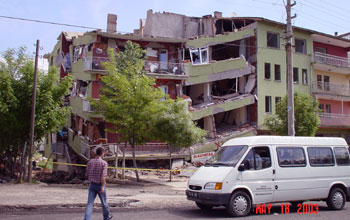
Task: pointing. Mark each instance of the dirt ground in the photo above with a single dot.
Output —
(154, 194)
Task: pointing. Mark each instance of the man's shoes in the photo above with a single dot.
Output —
(110, 217)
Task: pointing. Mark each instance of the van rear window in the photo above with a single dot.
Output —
(342, 156)
(320, 156)
(291, 157)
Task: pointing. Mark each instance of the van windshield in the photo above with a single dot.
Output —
(227, 156)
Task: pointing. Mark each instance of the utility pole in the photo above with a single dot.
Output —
(289, 53)
(32, 116)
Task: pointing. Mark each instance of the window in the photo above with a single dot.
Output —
(342, 156)
(326, 84)
(295, 75)
(320, 156)
(319, 82)
(258, 158)
(268, 104)
(277, 100)
(165, 90)
(277, 72)
(328, 108)
(229, 155)
(273, 40)
(321, 50)
(267, 71)
(304, 76)
(199, 55)
(291, 157)
(300, 46)
(321, 107)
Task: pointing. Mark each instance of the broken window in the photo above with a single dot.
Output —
(268, 107)
(326, 80)
(225, 51)
(319, 82)
(199, 55)
(304, 76)
(165, 90)
(277, 72)
(267, 71)
(300, 46)
(273, 40)
(295, 75)
(328, 108)
(225, 87)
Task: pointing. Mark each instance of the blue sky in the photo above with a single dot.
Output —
(320, 15)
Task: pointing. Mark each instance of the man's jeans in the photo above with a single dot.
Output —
(94, 190)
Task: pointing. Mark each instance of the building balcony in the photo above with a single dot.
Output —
(94, 64)
(327, 62)
(83, 108)
(217, 70)
(165, 70)
(327, 89)
(334, 120)
(220, 105)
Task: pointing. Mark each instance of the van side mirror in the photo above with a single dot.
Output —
(241, 167)
(245, 165)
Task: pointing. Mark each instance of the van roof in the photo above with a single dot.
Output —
(287, 140)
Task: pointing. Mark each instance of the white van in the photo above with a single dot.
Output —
(255, 170)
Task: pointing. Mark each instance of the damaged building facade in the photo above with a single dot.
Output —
(231, 71)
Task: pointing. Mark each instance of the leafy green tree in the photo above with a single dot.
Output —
(176, 128)
(306, 117)
(129, 99)
(16, 84)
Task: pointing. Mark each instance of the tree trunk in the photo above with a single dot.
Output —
(116, 161)
(21, 173)
(134, 161)
(170, 164)
(123, 173)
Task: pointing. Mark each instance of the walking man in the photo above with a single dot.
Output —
(96, 172)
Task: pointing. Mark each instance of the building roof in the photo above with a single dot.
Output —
(69, 35)
(287, 140)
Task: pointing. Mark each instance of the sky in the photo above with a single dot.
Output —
(326, 16)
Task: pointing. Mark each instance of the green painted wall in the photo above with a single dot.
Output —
(212, 146)
(204, 41)
(278, 56)
(230, 105)
(200, 73)
(77, 108)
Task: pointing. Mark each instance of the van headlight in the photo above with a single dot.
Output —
(213, 186)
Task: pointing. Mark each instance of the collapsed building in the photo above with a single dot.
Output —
(210, 61)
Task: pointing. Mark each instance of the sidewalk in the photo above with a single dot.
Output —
(153, 194)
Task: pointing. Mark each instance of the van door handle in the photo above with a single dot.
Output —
(273, 171)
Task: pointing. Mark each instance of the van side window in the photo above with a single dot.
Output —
(291, 157)
(257, 158)
(320, 156)
(341, 156)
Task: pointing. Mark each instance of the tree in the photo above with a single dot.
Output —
(16, 83)
(176, 128)
(129, 99)
(306, 117)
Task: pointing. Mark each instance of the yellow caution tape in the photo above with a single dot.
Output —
(121, 168)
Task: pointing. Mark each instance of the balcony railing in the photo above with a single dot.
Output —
(87, 107)
(94, 63)
(330, 89)
(334, 120)
(164, 67)
(331, 60)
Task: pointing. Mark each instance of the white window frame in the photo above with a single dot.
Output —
(199, 51)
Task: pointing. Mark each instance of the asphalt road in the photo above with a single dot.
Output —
(174, 214)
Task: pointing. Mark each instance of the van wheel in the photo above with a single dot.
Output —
(336, 199)
(239, 205)
(204, 206)
(296, 203)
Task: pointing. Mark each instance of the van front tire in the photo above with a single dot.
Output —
(239, 205)
(336, 199)
(204, 206)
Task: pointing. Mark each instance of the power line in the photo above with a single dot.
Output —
(54, 23)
